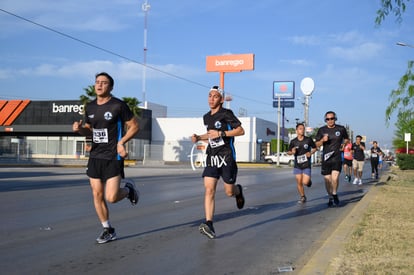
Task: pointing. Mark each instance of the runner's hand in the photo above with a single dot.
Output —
(77, 125)
(121, 150)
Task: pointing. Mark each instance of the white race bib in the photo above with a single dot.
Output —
(100, 135)
(217, 142)
(302, 158)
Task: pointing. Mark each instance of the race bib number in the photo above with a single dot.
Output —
(100, 135)
(217, 142)
(302, 158)
(374, 155)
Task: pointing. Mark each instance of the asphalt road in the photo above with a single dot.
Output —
(49, 226)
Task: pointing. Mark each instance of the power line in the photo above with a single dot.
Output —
(102, 49)
(121, 56)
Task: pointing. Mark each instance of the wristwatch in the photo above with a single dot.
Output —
(223, 133)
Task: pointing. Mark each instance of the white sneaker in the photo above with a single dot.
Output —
(355, 181)
(359, 182)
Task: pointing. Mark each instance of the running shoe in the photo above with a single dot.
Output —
(207, 229)
(133, 195)
(330, 202)
(359, 182)
(108, 234)
(346, 178)
(373, 176)
(349, 179)
(335, 200)
(355, 181)
(302, 199)
(240, 197)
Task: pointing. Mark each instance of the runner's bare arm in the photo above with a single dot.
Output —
(238, 131)
(195, 137)
(132, 128)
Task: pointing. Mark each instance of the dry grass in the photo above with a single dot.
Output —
(383, 242)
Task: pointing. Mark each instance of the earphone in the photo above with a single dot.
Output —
(330, 112)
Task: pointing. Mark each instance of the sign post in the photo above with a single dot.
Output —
(285, 90)
(407, 139)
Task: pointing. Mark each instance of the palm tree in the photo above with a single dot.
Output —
(90, 95)
(132, 102)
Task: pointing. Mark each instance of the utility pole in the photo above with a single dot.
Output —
(145, 8)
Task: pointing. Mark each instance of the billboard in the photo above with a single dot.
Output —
(230, 63)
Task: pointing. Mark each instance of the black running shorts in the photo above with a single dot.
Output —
(227, 172)
(329, 166)
(105, 169)
(348, 162)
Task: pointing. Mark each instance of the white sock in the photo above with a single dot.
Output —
(106, 224)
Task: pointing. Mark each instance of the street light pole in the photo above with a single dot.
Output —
(404, 44)
(307, 86)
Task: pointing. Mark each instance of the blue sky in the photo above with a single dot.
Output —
(354, 64)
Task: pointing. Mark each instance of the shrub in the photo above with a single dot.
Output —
(405, 161)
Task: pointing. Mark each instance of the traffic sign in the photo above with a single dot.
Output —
(283, 89)
(284, 104)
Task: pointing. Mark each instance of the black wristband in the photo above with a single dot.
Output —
(223, 133)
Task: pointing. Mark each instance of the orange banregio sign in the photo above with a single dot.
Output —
(230, 63)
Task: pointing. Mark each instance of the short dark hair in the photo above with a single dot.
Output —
(358, 136)
(332, 113)
(299, 124)
(111, 80)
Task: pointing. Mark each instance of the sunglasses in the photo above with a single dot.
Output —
(329, 118)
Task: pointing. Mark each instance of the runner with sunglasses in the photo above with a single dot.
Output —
(332, 137)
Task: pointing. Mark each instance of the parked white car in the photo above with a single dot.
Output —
(284, 158)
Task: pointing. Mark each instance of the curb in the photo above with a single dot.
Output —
(320, 261)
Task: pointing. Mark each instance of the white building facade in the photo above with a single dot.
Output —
(173, 137)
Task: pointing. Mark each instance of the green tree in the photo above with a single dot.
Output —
(401, 99)
(397, 7)
(90, 94)
(132, 102)
(405, 124)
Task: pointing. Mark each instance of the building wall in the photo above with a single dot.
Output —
(174, 134)
(44, 129)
